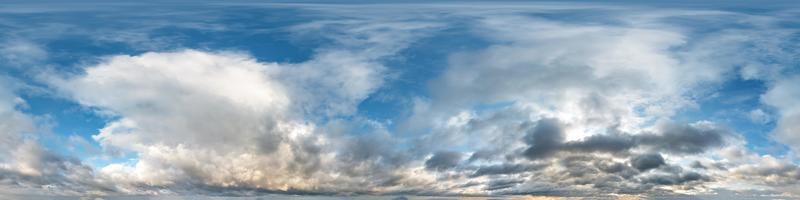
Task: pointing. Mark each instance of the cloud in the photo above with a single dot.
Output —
(544, 139)
(185, 112)
(548, 105)
(786, 98)
(14, 124)
(198, 119)
(505, 168)
(687, 139)
(443, 160)
(21, 54)
(27, 167)
(675, 179)
(759, 116)
(647, 161)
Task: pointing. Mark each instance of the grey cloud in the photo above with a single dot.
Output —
(617, 168)
(675, 179)
(545, 138)
(52, 173)
(443, 160)
(481, 155)
(602, 143)
(673, 138)
(698, 165)
(686, 139)
(579, 166)
(374, 150)
(26, 165)
(502, 184)
(365, 148)
(505, 168)
(771, 172)
(647, 161)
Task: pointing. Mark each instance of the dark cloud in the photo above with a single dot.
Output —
(602, 143)
(698, 165)
(675, 179)
(544, 139)
(443, 160)
(502, 184)
(482, 155)
(505, 168)
(400, 198)
(621, 170)
(684, 139)
(580, 163)
(647, 161)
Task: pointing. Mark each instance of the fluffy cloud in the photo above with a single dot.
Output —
(188, 113)
(583, 74)
(217, 119)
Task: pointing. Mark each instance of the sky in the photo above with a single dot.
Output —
(395, 100)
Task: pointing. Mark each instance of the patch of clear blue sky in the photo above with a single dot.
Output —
(730, 106)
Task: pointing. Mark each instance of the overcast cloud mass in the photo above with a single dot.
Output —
(242, 99)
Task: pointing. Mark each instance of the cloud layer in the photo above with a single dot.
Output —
(593, 102)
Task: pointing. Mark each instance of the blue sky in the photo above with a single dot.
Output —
(242, 98)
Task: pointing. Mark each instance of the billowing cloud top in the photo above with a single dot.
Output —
(440, 99)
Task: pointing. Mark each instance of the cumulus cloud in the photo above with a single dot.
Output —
(215, 119)
(188, 113)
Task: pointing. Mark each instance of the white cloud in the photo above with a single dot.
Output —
(161, 97)
(187, 113)
(13, 123)
(217, 119)
(785, 96)
(591, 76)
